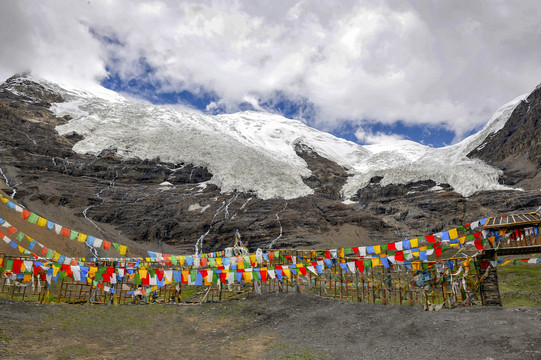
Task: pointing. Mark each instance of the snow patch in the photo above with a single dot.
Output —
(255, 152)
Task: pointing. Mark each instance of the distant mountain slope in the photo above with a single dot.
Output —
(516, 148)
(176, 181)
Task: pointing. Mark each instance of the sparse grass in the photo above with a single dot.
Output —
(298, 353)
(519, 285)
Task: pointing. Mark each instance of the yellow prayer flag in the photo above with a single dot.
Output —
(29, 238)
(287, 273)
(27, 278)
(20, 248)
(453, 234)
(376, 262)
(341, 253)
(377, 249)
(415, 253)
(181, 260)
(252, 258)
(416, 265)
(506, 262)
(122, 249)
(219, 261)
(55, 270)
(462, 240)
(42, 222)
(240, 264)
(148, 259)
(454, 245)
(56, 256)
(143, 273)
(414, 243)
(4, 200)
(207, 282)
(154, 288)
(247, 276)
(423, 248)
(81, 237)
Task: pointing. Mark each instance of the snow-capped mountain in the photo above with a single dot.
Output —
(255, 152)
(128, 171)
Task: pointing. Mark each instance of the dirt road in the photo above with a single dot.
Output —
(273, 326)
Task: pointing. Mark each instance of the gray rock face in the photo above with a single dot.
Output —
(170, 207)
(516, 148)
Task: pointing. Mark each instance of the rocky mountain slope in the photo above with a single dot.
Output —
(166, 204)
(516, 148)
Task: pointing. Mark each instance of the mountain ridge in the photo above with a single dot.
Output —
(171, 206)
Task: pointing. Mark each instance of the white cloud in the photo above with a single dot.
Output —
(369, 138)
(450, 64)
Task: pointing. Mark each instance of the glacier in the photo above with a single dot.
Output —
(254, 152)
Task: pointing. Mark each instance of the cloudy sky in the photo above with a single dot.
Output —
(369, 71)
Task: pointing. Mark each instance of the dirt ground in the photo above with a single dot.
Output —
(271, 326)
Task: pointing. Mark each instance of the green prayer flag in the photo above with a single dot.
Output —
(19, 236)
(215, 277)
(470, 237)
(384, 248)
(367, 263)
(212, 262)
(348, 251)
(74, 235)
(193, 275)
(116, 246)
(137, 279)
(8, 264)
(33, 218)
(50, 254)
(173, 260)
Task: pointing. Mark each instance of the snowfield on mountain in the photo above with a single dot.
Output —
(255, 152)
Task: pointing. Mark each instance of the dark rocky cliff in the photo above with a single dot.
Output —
(516, 148)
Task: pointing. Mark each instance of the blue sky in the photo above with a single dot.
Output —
(368, 71)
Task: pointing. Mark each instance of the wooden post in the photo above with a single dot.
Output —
(60, 291)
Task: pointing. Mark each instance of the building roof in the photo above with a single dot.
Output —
(512, 220)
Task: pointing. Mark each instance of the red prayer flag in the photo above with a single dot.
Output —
(356, 250)
(399, 256)
(26, 214)
(438, 252)
(65, 232)
(106, 245)
(478, 244)
(44, 251)
(360, 265)
(223, 277)
(16, 266)
(159, 274)
(430, 239)
(263, 275)
(36, 270)
(391, 246)
(146, 280)
(302, 269)
(106, 277)
(12, 230)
